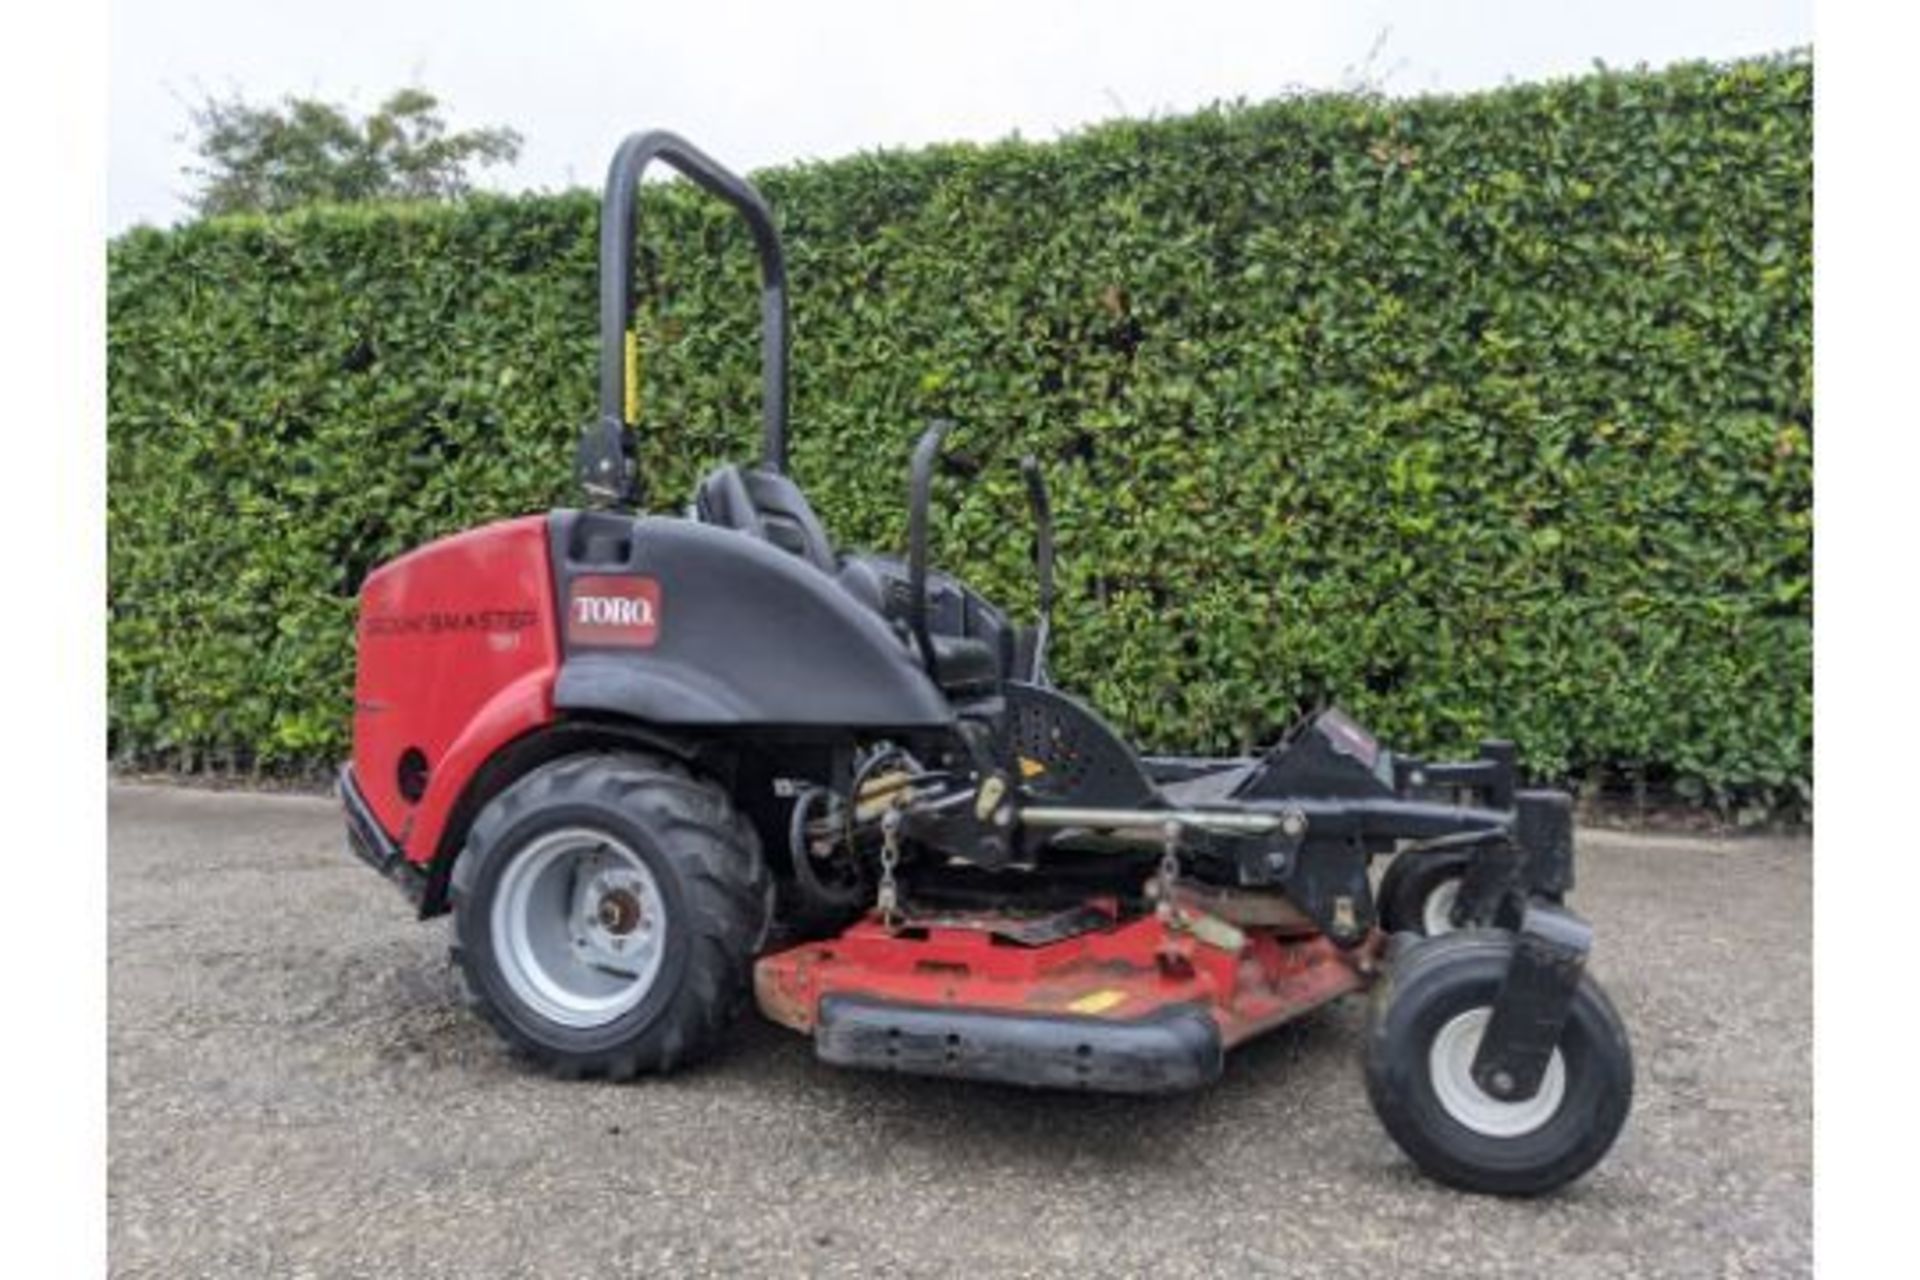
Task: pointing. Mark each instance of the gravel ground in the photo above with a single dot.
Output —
(295, 1091)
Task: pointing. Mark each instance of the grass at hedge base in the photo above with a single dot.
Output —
(1487, 414)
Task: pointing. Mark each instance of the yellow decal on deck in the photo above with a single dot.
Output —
(1098, 1001)
(1031, 768)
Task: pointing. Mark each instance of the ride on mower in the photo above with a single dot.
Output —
(652, 762)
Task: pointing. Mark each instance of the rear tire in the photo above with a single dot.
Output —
(1417, 893)
(607, 908)
(1427, 1018)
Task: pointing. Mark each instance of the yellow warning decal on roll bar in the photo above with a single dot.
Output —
(633, 376)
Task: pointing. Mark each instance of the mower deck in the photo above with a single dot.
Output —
(1080, 999)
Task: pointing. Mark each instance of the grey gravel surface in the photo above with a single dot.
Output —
(296, 1091)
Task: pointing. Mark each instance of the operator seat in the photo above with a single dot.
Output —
(766, 505)
(965, 666)
(770, 506)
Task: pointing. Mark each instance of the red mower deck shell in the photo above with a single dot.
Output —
(467, 651)
(1125, 973)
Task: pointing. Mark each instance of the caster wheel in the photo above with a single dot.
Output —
(606, 913)
(1417, 893)
(1426, 1024)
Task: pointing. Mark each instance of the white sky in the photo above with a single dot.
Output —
(758, 84)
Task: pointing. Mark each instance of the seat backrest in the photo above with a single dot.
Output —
(768, 505)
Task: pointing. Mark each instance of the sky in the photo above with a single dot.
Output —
(761, 84)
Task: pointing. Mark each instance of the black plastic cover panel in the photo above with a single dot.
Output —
(675, 622)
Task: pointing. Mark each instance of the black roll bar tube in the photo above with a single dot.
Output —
(618, 216)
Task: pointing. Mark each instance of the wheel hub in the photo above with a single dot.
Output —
(578, 924)
(611, 922)
(618, 912)
(1450, 1064)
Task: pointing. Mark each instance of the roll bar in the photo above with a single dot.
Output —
(618, 216)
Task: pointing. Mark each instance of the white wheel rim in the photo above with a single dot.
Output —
(579, 927)
(1450, 1064)
(1436, 913)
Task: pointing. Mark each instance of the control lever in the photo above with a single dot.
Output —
(919, 496)
(1043, 562)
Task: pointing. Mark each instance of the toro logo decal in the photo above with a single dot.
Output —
(613, 609)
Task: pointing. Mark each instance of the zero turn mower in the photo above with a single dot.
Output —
(653, 762)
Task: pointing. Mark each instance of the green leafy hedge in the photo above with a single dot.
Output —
(1480, 414)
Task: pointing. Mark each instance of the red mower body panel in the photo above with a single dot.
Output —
(458, 650)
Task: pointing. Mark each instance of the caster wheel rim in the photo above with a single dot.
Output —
(1450, 1066)
(579, 927)
(1436, 913)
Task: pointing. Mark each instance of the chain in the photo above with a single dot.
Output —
(889, 895)
(1168, 907)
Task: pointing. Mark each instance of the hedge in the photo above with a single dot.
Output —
(1479, 414)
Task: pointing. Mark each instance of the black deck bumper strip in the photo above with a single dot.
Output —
(1175, 1050)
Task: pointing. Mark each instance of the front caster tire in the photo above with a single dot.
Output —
(1418, 891)
(607, 908)
(1426, 1022)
